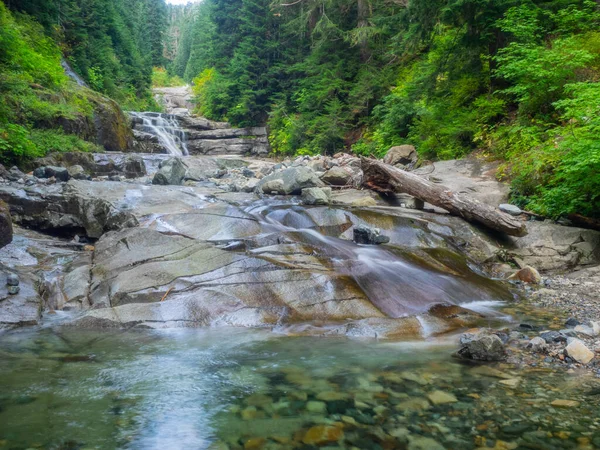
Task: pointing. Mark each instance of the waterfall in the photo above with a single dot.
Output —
(166, 128)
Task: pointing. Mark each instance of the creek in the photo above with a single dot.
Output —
(212, 306)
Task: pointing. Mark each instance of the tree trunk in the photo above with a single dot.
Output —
(387, 179)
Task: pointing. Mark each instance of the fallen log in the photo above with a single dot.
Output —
(387, 179)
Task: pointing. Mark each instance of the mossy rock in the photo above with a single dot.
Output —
(113, 130)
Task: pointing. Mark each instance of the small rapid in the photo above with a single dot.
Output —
(400, 282)
(165, 127)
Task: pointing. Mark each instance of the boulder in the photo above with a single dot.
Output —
(6, 230)
(316, 196)
(527, 275)
(337, 176)
(60, 173)
(481, 346)
(289, 181)
(112, 127)
(510, 209)
(132, 166)
(370, 236)
(171, 172)
(537, 344)
(4, 174)
(64, 208)
(579, 352)
(77, 172)
(400, 154)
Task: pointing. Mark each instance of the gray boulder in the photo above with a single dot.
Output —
(401, 154)
(64, 208)
(60, 173)
(132, 166)
(6, 231)
(289, 181)
(316, 196)
(481, 346)
(337, 176)
(77, 172)
(172, 171)
(369, 236)
(510, 209)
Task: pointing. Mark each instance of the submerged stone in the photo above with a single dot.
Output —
(322, 434)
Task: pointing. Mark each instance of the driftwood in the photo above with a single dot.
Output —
(387, 179)
(584, 222)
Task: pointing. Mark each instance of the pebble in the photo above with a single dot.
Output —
(553, 336)
(315, 407)
(537, 344)
(424, 443)
(565, 403)
(413, 404)
(14, 290)
(12, 279)
(441, 398)
(572, 322)
(321, 434)
(512, 382)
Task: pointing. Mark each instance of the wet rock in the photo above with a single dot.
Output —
(13, 290)
(553, 336)
(481, 346)
(131, 166)
(171, 172)
(77, 172)
(579, 352)
(369, 236)
(6, 229)
(572, 322)
(537, 344)
(322, 434)
(65, 208)
(510, 209)
(60, 173)
(337, 176)
(289, 181)
(316, 196)
(400, 154)
(527, 275)
(14, 174)
(12, 279)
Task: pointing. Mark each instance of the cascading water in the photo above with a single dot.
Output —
(166, 128)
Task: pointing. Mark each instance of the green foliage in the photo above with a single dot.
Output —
(112, 44)
(15, 144)
(162, 78)
(35, 94)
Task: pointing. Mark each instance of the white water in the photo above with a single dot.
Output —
(166, 128)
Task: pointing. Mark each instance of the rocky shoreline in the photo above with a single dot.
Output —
(128, 227)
